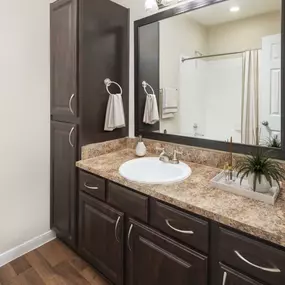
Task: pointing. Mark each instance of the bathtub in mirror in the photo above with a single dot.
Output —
(215, 70)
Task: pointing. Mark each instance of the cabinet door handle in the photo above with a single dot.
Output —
(116, 228)
(129, 237)
(70, 103)
(225, 278)
(69, 137)
(90, 187)
(274, 270)
(177, 230)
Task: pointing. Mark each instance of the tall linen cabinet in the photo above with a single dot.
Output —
(89, 43)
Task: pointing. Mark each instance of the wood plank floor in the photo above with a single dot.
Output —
(52, 264)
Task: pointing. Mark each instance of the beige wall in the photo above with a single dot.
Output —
(25, 117)
(243, 34)
(174, 44)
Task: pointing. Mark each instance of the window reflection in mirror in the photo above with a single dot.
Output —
(220, 73)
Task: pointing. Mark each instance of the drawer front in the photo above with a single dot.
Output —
(256, 259)
(185, 227)
(228, 276)
(134, 204)
(93, 185)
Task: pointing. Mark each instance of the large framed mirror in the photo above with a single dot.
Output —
(215, 68)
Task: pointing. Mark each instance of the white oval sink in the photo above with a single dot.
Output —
(151, 170)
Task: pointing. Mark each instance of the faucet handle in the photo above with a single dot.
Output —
(162, 151)
(175, 152)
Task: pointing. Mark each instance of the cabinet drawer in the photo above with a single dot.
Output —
(134, 204)
(93, 185)
(229, 276)
(256, 259)
(185, 227)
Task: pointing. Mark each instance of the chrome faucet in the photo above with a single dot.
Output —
(168, 158)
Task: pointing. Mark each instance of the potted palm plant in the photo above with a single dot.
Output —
(262, 171)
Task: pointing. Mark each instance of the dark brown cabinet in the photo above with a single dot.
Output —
(89, 42)
(101, 237)
(154, 259)
(64, 59)
(63, 179)
(256, 259)
(230, 277)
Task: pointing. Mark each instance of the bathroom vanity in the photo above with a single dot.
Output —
(186, 232)
(181, 233)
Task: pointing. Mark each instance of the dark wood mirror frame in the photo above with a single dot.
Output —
(145, 130)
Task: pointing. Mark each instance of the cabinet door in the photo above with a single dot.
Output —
(101, 237)
(63, 25)
(63, 180)
(154, 259)
(231, 277)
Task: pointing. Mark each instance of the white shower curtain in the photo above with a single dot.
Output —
(250, 94)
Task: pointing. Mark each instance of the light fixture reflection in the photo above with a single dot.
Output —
(234, 9)
(151, 5)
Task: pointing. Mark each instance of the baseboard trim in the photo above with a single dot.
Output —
(26, 247)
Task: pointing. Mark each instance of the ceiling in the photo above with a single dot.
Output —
(219, 13)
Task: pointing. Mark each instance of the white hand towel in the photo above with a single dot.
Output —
(169, 98)
(115, 116)
(151, 115)
(169, 102)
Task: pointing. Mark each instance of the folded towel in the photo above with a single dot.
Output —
(168, 113)
(169, 98)
(151, 115)
(115, 116)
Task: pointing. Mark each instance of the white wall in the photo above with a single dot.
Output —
(211, 95)
(243, 34)
(223, 98)
(192, 97)
(24, 117)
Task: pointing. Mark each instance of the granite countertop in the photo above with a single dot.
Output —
(196, 195)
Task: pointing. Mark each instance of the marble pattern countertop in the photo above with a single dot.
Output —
(196, 195)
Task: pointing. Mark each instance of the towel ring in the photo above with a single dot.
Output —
(145, 85)
(108, 83)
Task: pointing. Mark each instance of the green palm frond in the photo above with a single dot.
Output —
(260, 164)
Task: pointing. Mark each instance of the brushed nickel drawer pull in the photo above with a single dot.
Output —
(69, 104)
(116, 228)
(69, 137)
(177, 230)
(129, 237)
(274, 270)
(225, 278)
(90, 187)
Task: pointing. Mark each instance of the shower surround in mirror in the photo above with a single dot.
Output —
(225, 69)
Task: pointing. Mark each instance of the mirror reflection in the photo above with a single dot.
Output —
(220, 73)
